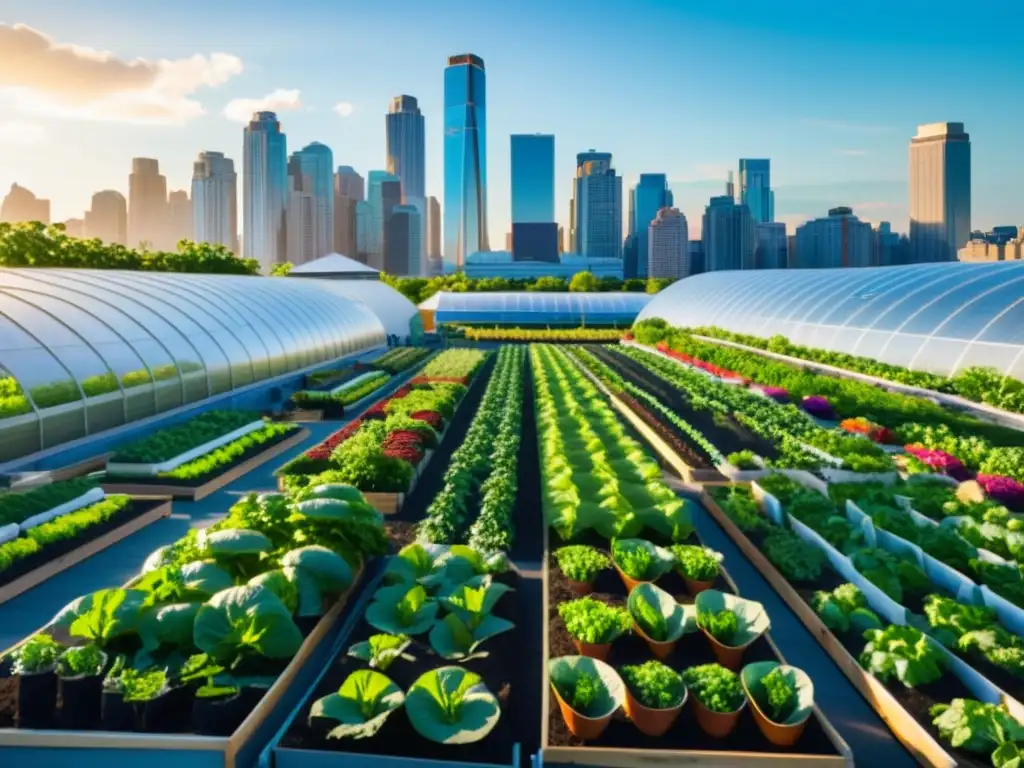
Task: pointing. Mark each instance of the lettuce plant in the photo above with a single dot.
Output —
(38, 654)
(81, 661)
(986, 729)
(722, 625)
(895, 575)
(401, 610)
(903, 653)
(697, 563)
(845, 609)
(593, 622)
(246, 620)
(474, 600)
(654, 684)
(780, 693)
(361, 706)
(717, 688)
(317, 573)
(102, 616)
(581, 563)
(795, 558)
(451, 705)
(641, 560)
(136, 686)
(381, 651)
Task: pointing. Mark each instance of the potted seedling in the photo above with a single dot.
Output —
(731, 624)
(782, 698)
(451, 705)
(718, 698)
(699, 566)
(588, 693)
(639, 561)
(658, 618)
(594, 625)
(35, 663)
(115, 714)
(361, 706)
(581, 564)
(80, 683)
(219, 707)
(147, 693)
(655, 694)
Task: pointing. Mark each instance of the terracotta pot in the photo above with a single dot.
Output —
(628, 581)
(581, 726)
(593, 650)
(651, 722)
(696, 587)
(659, 649)
(778, 734)
(581, 587)
(716, 724)
(730, 657)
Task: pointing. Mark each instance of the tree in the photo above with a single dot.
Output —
(548, 284)
(635, 285)
(658, 284)
(583, 282)
(282, 269)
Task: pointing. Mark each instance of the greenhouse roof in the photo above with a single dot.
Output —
(539, 307)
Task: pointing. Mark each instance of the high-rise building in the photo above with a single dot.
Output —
(75, 228)
(729, 235)
(668, 245)
(316, 162)
(349, 189)
(147, 205)
(381, 199)
(508, 242)
(889, 248)
(364, 231)
(390, 199)
(598, 206)
(465, 159)
(433, 228)
(107, 218)
(837, 240)
(300, 217)
(647, 198)
(264, 190)
(534, 229)
(561, 240)
(756, 189)
(697, 265)
(940, 191)
(179, 218)
(771, 246)
(21, 205)
(403, 241)
(406, 152)
(215, 200)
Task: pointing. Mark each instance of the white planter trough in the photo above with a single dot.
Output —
(352, 383)
(9, 532)
(152, 470)
(90, 497)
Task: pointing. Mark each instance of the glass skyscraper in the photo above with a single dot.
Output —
(534, 230)
(756, 189)
(465, 159)
(316, 163)
(597, 206)
(405, 145)
(265, 190)
(649, 196)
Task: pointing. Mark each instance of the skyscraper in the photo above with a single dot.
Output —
(406, 153)
(179, 218)
(647, 198)
(433, 228)
(147, 205)
(215, 200)
(771, 251)
(316, 162)
(264, 190)
(349, 189)
(380, 209)
(390, 199)
(107, 218)
(837, 240)
(756, 189)
(668, 245)
(729, 234)
(364, 231)
(300, 217)
(403, 241)
(465, 159)
(534, 230)
(940, 191)
(598, 206)
(21, 205)
(75, 228)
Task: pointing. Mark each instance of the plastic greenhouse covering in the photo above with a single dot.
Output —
(539, 308)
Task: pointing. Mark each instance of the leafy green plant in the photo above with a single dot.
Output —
(81, 661)
(402, 610)
(474, 600)
(716, 687)
(381, 651)
(744, 460)
(38, 654)
(138, 686)
(845, 609)
(781, 694)
(697, 563)
(173, 441)
(654, 684)
(584, 692)
(650, 619)
(903, 653)
(219, 459)
(739, 506)
(1007, 581)
(895, 575)
(103, 615)
(451, 705)
(16, 507)
(361, 705)
(593, 622)
(795, 558)
(245, 621)
(980, 728)
(581, 563)
(722, 625)
(641, 560)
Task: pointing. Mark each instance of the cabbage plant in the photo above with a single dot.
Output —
(361, 706)
(401, 610)
(381, 651)
(244, 620)
(451, 705)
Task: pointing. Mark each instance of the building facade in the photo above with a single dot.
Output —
(403, 241)
(315, 161)
(349, 189)
(364, 231)
(147, 205)
(756, 189)
(433, 229)
(406, 145)
(465, 159)
(215, 200)
(75, 228)
(647, 199)
(375, 197)
(534, 235)
(837, 240)
(772, 246)
(264, 190)
(729, 234)
(940, 192)
(107, 217)
(21, 205)
(598, 206)
(890, 248)
(300, 218)
(668, 245)
(179, 218)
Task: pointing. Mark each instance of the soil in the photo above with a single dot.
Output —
(61, 548)
(692, 649)
(724, 432)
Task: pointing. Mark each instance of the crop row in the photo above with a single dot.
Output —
(543, 335)
(400, 359)
(455, 365)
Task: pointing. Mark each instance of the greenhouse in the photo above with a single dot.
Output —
(536, 308)
(932, 317)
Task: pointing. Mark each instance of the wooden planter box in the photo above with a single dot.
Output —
(299, 417)
(87, 550)
(74, 749)
(925, 749)
(197, 492)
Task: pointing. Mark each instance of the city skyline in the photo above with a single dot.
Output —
(825, 152)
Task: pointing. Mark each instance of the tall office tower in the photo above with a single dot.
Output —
(729, 234)
(730, 187)
(264, 190)
(300, 217)
(433, 228)
(647, 198)
(317, 162)
(837, 240)
(572, 218)
(888, 248)
(403, 240)
(390, 199)
(364, 231)
(697, 257)
(561, 240)
(508, 242)
(756, 189)
(107, 218)
(534, 229)
(406, 152)
(147, 205)
(75, 228)
(21, 205)
(631, 213)
(349, 189)
(668, 245)
(381, 209)
(215, 200)
(598, 206)
(465, 159)
(179, 218)
(771, 246)
(940, 191)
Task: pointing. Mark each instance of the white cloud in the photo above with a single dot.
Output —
(20, 133)
(344, 108)
(281, 100)
(41, 76)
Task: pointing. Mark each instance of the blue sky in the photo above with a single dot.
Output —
(831, 92)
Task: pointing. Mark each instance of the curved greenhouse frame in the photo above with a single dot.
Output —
(83, 351)
(933, 317)
(540, 308)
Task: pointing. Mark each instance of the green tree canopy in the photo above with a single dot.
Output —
(583, 282)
